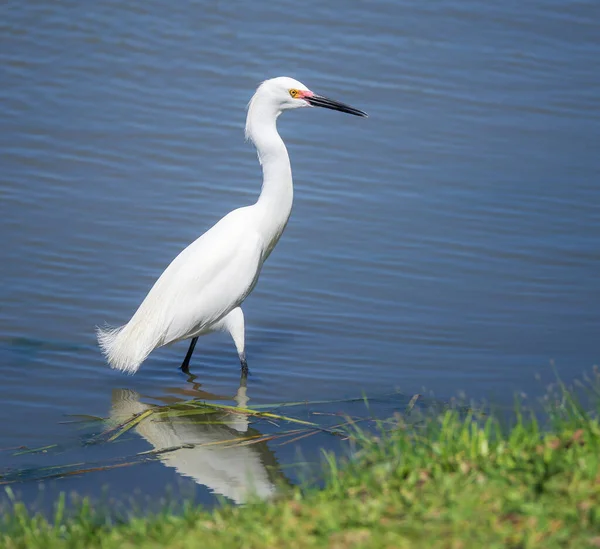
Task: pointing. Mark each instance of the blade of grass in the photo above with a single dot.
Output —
(412, 403)
(35, 450)
(295, 439)
(131, 423)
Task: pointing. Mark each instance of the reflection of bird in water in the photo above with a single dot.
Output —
(202, 289)
(234, 471)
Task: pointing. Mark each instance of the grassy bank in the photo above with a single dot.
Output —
(451, 482)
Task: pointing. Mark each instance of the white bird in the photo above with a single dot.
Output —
(202, 289)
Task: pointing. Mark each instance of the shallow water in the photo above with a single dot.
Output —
(450, 241)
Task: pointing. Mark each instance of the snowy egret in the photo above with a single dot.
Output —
(202, 289)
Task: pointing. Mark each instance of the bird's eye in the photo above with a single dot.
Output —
(293, 92)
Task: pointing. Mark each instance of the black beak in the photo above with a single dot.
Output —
(319, 101)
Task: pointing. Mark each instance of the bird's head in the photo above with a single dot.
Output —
(285, 93)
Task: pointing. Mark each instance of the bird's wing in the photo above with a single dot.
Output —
(205, 281)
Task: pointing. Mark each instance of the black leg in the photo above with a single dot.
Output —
(185, 366)
(244, 365)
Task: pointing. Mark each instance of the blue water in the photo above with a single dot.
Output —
(450, 241)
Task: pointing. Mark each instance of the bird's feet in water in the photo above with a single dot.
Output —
(185, 365)
(244, 365)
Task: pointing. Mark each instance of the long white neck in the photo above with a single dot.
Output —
(274, 204)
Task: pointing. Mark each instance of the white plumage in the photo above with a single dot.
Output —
(202, 289)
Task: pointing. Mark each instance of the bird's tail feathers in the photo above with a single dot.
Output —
(126, 347)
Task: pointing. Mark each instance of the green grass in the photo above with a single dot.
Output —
(450, 482)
